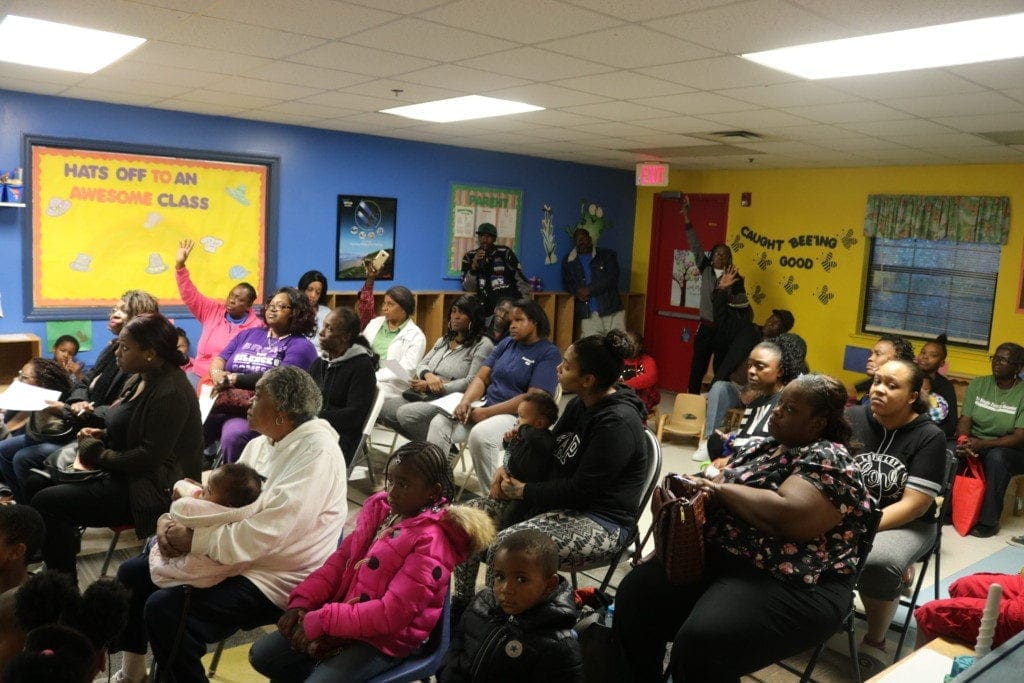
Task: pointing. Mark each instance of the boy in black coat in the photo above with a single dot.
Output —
(521, 629)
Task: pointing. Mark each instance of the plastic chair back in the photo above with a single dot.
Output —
(689, 413)
(425, 664)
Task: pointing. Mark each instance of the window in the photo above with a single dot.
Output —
(923, 288)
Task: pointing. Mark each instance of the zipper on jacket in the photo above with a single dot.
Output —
(486, 646)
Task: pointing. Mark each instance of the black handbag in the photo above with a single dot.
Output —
(412, 396)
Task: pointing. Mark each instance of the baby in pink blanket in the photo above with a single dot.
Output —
(230, 495)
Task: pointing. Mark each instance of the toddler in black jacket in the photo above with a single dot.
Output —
(521, 629)
(529, 447)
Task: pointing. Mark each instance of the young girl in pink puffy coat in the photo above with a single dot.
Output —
(378, 597)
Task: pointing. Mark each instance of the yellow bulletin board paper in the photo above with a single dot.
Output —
(105, 221)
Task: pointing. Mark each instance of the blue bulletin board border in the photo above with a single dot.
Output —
(35, 312)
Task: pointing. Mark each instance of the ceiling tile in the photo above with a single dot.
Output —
(410, 92)
(649, 9)
(681, 124)
(624, 85)
(989, 155)
(381, 121)
(669, 140)
(1006, 73)
(534, 64)
(847, 112)
(321, 18)
(252, 86)
(546, 95)
(904, 84)
(38, 87)
(697, 103)
(113, 97)
(127, 85)
(359, 59)
(621, 111)
(118, 16)
(183, 5)
(227, 99)
(752, 26)
(861, 144)
(350, 100)
(349, 126)
(878, 16)
(717, 73)
(956, 105)
(458, 77)
(308, 109)
(426, 39)
(628, 47)
(199, 107)
(555, 117)
(522, 22)
(38, 74)
(984, 123)
(200, 59)
(278, 117)
(807, 132)
(947, 140)
(158, 73)
(788, 94)
(309, 76)
(614, 128)
(756, 119)
(399, 6)
(897, 128)
(250, 40)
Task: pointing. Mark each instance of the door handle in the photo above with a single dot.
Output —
(675, 314)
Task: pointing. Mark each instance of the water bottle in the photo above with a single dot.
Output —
(609, 615)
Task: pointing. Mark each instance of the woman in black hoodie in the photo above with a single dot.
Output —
(589, 501)
(901, 454)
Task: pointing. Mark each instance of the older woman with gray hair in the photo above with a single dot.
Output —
(298, 519)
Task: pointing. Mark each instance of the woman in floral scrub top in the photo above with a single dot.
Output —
(781, 546)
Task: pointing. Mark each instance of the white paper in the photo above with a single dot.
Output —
(397, 369)
(486, 214)
(205, 400)
(507, 223)
(464, 218)
(449, 402)
(923, 665)
(21, 396)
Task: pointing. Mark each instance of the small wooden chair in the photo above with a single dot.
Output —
(689, 413)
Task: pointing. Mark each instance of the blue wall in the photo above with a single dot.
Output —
(317, 166)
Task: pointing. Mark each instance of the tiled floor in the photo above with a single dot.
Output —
(959, 554)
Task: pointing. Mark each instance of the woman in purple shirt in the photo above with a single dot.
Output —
(288, 317)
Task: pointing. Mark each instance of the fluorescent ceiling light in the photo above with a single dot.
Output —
(461, 109)
(61, 46)
(965, 42)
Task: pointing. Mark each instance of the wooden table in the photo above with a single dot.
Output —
(943, 647)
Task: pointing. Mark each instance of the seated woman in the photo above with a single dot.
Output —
(379, 596)
(299, 517)
(589, 501)
(781, 551)
(448, 367)
(220, 320)
(930, 358)
(640, 373)
(393, 335)
(313, 284)
(345, 375)
(248, 355)
(991, 427)
(901, 454)
(45, 431)
(153, 437)
(522, 362)
(102, 384)
(772, 365)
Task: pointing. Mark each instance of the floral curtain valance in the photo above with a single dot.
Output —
(958, 219)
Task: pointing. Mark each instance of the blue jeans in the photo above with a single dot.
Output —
(1000, 465)
(722, 397)
(212, 614)
(274, 657)
(18, 455)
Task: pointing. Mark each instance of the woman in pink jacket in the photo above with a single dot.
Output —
(221, 320)
(379, 596)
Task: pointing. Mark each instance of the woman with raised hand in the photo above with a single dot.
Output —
(393, 334)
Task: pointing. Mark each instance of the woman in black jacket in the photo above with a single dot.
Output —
(153, 437)
(346, 375)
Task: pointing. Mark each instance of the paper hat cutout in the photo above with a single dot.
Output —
(81, 263)
(238, 194)
(156, 264)
(152, 219)
(58, 207)
(237, 272)
(211, 243)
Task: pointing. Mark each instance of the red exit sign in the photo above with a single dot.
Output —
(652, 174)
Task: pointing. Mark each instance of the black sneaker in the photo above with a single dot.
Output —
(984, 530)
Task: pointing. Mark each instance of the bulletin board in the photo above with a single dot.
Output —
(107, 218)
(471, 205)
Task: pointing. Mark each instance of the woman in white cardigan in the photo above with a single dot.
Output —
(392, 335)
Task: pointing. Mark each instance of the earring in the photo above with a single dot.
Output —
(149, 359)
(279, 421)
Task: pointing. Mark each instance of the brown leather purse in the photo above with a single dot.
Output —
(677, 511)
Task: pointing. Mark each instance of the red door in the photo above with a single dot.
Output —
(672, 294)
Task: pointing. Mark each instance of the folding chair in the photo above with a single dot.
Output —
(634, 538)
(864, 546)
(113, 546)
(362, 448)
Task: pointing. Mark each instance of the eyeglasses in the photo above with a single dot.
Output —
(276, 307)
(1003, 360)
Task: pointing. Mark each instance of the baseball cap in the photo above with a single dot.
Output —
(487, 229)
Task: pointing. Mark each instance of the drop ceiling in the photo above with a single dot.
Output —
(620, 80)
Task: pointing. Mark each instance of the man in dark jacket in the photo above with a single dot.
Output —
(591, 275)
(492, 271)
(521, 629)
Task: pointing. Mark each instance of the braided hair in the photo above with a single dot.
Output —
(51, 375)
(431, 463)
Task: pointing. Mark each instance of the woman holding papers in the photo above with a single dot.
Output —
(345, 375)
(392, 335)
(448, 368)
(523, 362)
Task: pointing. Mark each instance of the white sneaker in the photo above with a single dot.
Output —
(701, 454)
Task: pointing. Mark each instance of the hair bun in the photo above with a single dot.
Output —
(619, 344)
(942, 339)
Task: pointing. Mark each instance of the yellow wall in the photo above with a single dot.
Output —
(829, 202)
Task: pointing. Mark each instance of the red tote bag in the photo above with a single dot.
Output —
(968, 494)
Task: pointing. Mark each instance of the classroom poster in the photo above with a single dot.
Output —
(471, 205)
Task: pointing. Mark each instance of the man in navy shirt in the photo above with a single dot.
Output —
(591, 275)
